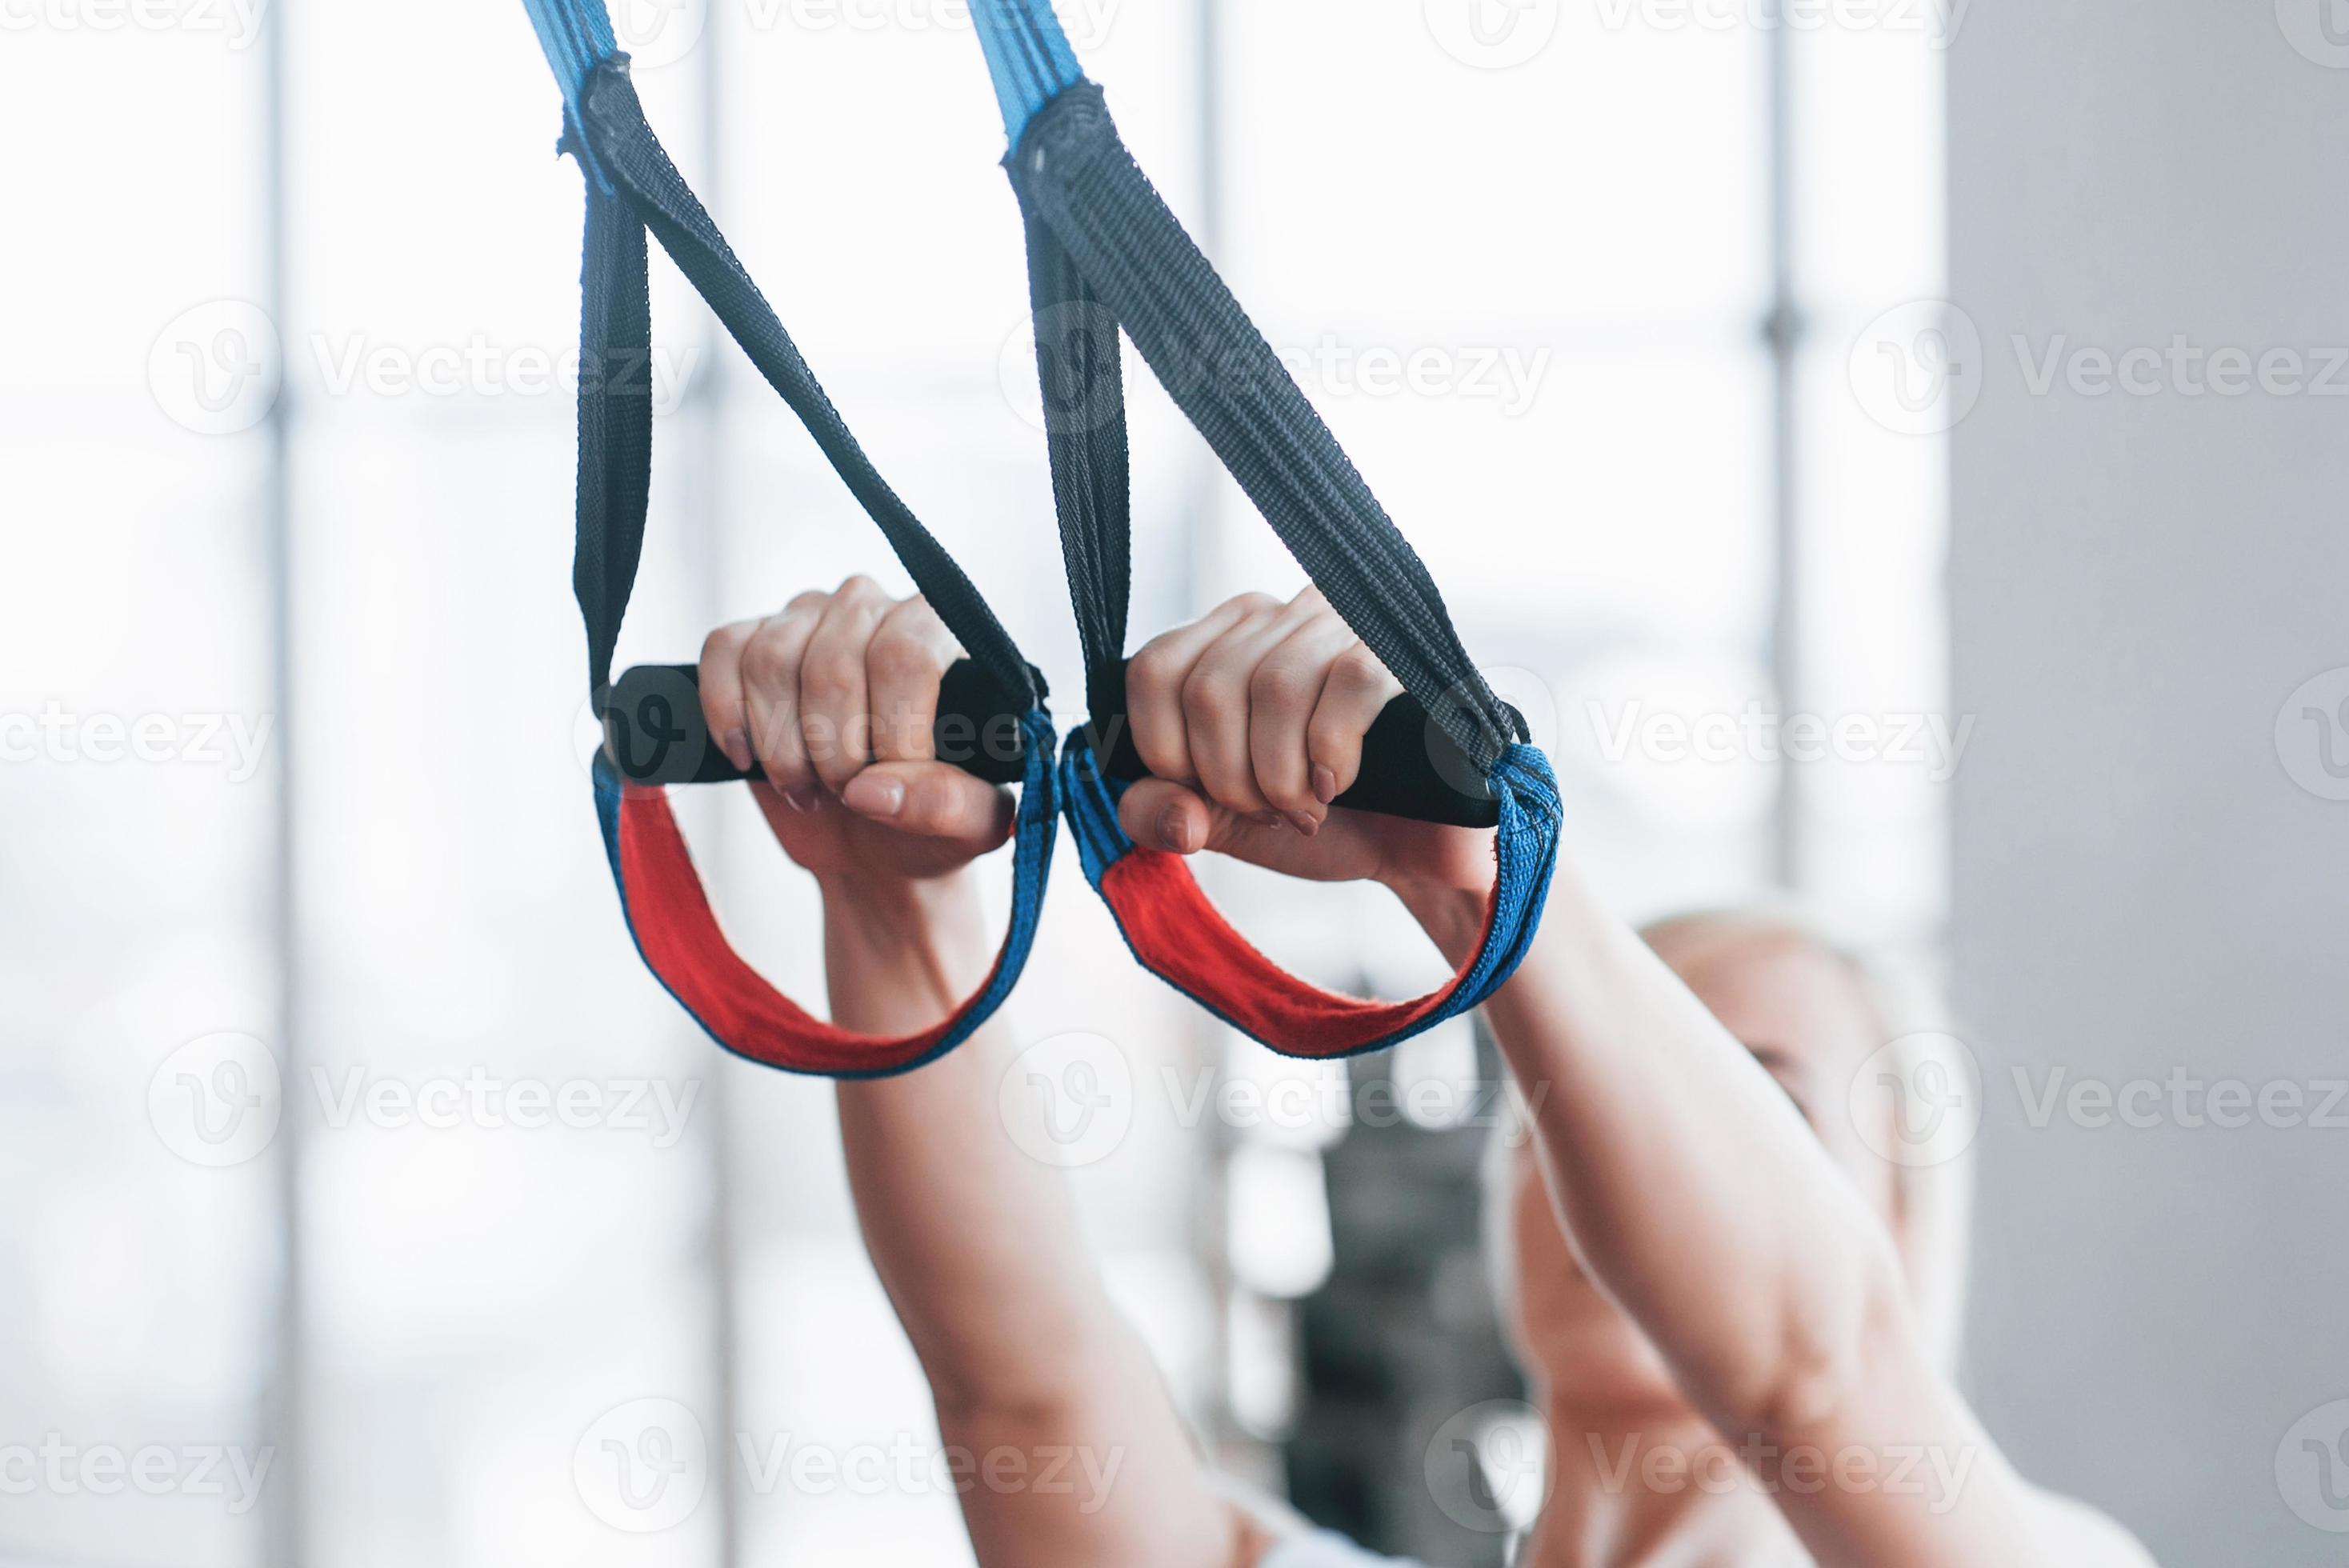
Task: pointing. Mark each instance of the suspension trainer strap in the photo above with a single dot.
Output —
(1079, 369)
(633, 189)
(623, 144)
(1101, 244)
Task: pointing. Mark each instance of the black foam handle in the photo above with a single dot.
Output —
(654, 734)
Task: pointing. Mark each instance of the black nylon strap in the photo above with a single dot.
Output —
(1075, 175)
(656, 197)
(1078, 365)
(616, 425)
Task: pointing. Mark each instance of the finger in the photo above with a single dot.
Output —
(1160, 814)
(1155, 677)
(1216, 701)
(722, 710)
(933, 800)
(1357, 691)
(1283, 695)
(908, 656)
(835, 715)
(770, 670)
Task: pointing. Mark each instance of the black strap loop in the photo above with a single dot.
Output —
(656, 197)
(615, 426)
(1078, 366)
(1076, 178)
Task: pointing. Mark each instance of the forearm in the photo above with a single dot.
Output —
(1690, 1187)
(1699, 1200)
(977, 1243)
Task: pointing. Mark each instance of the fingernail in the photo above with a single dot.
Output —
(803, 798)
(875, 795)
(1309, 826)
(1174, 831)
(1325, 785)
(737, 747)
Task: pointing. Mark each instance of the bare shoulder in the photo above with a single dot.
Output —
(2080, 1535)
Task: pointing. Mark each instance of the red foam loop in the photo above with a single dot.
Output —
(679, 937)
(1180, 936)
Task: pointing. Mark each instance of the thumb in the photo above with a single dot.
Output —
(1159, 814)
(932, 800)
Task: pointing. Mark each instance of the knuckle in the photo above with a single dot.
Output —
(1151, 673)
(900, 655)
(1283, 683)
(831, 674)
(1359, 669)
(1327, 740)
(767, 656)
(858, 588)
(1208, 691)
(725, 643)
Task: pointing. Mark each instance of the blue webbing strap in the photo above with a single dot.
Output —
(1026, 54)
(576, 35)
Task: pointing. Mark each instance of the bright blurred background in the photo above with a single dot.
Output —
(303, 853)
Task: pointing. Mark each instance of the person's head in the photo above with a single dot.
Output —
(1813, 1010)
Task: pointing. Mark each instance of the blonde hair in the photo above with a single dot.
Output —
(1933, 1199)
